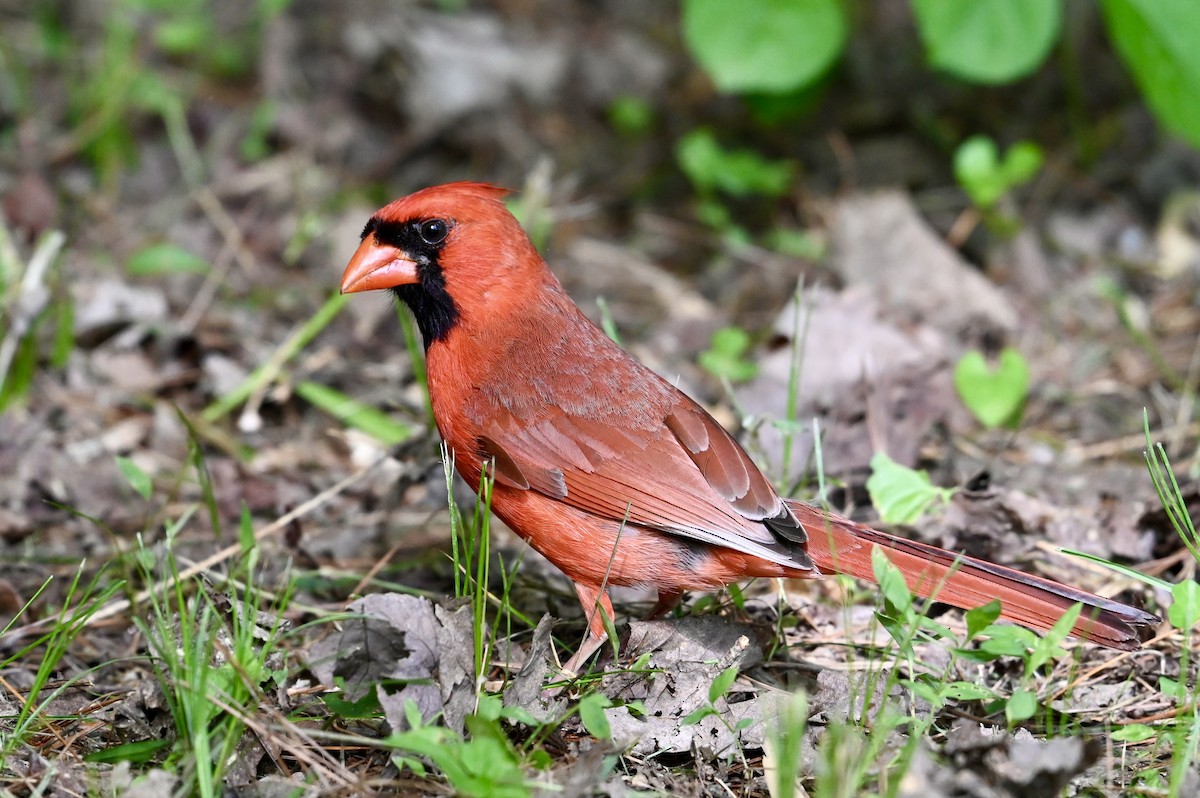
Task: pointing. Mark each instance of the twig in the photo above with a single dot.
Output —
(227, 227)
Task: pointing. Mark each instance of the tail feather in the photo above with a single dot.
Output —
(837, 545)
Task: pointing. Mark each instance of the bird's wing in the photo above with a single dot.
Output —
(684, 475)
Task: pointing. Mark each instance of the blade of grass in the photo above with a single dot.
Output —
(416, 356)
(268, 371)
(354, 413)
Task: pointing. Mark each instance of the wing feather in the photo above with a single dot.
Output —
(686, 476)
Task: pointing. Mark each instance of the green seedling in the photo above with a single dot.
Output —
(986, 176)
(716, 691)
(726, 358)
(712, 169)
(485, 764)
(995, 394)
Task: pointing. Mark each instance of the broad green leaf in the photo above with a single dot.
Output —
(1133, 733)
(981, 618)
(1184, 611)
(901, 495)
(165, 259)
(353, 413)
(591, 712)
(1173, 688)
(1159, 41)
(1009, 641)
(768, 46)
(1021, 706)
(995, 395)
(988, 41)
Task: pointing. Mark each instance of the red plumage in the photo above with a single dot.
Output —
(606, 469)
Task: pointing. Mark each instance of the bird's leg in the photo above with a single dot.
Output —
(595, 601)
(667, 601)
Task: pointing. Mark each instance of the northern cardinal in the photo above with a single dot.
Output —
(605, 468)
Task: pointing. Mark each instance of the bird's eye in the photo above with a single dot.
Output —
(433, 232)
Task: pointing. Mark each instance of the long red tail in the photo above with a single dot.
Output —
(838, 545)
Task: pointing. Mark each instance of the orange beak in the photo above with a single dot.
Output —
(376, 266)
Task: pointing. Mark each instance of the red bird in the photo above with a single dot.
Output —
(606, 469)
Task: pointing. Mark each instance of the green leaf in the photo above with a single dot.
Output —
(764, 45)
(890, 580)
(977, 170)
(988, 41)
(965, 691)
(994, 395)
(1157, 40)
(365, 707)
(353, 413)
(1185, 604)
(1022, 162)
(183, 35)
(64, 332)
(631, 115)
(722, 683)
(165, 259)
(138, 752)
(1049, 646)
(739, 173)
(1174, 688)
(138, 479)
(1009, 641)
(726, 355)
(591, 712)
(246, 530)
(1133, 733)
(981, 618)
(901, 495)
(23, 368)
(697, 715)
(985, 176)
(1021, 706)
